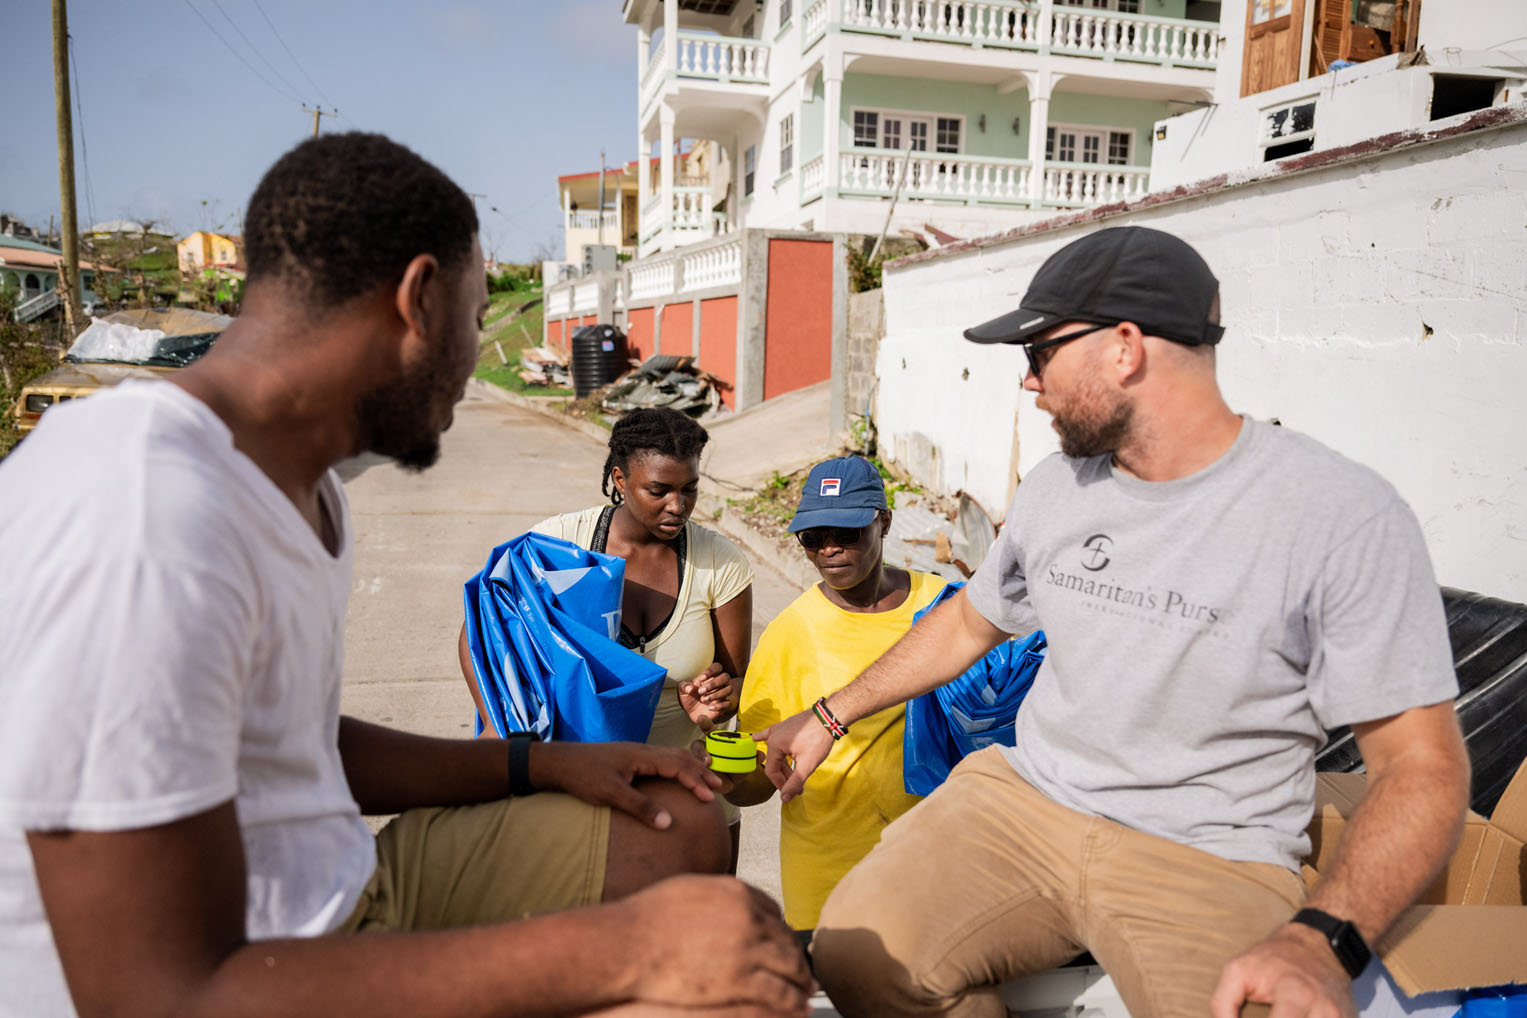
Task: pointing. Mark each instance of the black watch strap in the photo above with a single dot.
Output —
(519, 763)
(1347, 944)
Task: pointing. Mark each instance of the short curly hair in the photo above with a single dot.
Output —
(342, 214)
(650, 431)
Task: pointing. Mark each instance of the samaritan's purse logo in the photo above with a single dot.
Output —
(1095, 552)
(830, 486)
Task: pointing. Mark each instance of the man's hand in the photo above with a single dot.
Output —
(753, 961)
(710, 698)
(603, 773)
(797, 745)
(1294, 970)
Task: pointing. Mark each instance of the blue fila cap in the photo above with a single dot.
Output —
(844, 492)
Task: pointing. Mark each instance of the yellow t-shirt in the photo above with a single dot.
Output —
(715, 571)
(811, 649)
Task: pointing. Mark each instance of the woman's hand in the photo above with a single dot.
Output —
(709, 698)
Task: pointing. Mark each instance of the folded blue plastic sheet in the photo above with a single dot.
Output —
(541, 620)
(974, 711)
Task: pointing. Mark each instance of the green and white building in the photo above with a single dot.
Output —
(977, 115)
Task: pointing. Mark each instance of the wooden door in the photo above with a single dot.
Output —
(1274, 31)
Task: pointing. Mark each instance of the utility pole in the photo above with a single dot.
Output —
(601, 197)
(318, 112)
(69, 274)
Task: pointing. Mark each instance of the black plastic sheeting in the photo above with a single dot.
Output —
(1489, 639)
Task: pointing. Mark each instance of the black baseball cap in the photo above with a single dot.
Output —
(1122, 274)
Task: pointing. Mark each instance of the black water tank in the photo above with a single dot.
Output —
(599, 357)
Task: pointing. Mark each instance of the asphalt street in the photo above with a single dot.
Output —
(418, 537)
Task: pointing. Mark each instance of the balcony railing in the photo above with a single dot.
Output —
(983, 21)
(813, 23)
(721, 59)
(813, 176)
(718, 265)
(935, 175)
(1073, 31)
(1134, 37)
(690, 219)
(1087, 184)
(590, 221)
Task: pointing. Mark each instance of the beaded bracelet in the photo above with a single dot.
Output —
(835, 728)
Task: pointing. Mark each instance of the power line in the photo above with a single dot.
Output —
(297, 63)
(79, 117)
(236, 53)
(255, 49)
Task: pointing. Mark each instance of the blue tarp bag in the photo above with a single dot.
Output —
(974, 711)
(541, 619)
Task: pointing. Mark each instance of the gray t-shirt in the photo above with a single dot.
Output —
(1204, 632)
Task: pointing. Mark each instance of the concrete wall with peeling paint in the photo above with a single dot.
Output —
(1375, 300)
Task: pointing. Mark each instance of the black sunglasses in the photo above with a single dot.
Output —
(1031, 350)
(813, 538)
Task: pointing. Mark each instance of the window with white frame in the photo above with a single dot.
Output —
(784, 13)
(1068, 143)
(948, 137)
(1122, 6)
(749, 163)
(896, 129)
(786, 143)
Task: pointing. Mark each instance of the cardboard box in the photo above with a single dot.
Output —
(1470, 927)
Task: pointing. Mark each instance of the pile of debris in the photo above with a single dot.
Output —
(664, 380)
(545, 365)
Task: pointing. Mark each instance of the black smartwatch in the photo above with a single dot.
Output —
(1348, 944)
(519, 763)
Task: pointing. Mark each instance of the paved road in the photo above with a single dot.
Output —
(419, 536)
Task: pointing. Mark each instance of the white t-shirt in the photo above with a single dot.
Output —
(171, 637)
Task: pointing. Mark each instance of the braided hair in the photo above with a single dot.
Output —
(650, 431)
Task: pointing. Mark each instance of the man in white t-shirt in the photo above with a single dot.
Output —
(180, 801)
(1215, 592)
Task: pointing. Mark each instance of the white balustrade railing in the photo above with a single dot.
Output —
(719, 265)
(653, 279)
(934, 175)
(585, 296)
(559, 300)
(1109, 34)
(722, 57)
(813, 22)
(984, 21)
(813, 176)
(1087, 184)
(691, 208)
(578, 220)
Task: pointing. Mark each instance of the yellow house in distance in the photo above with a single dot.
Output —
(209, 250)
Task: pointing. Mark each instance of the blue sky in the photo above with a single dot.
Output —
(504, 97)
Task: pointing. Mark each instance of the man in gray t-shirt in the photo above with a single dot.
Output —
(1216, 593)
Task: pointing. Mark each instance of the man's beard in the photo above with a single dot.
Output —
(393, 420)
(1096, 429)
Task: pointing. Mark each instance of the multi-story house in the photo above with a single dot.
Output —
(969, 116)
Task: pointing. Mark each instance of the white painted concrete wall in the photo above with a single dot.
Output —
(1472, 24)
(1379, 305)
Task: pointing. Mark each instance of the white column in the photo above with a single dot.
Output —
(643, 174)
(832, 117)
(1040, 85)
(643, 50)
(665, 152)
(671, 35)
(739, 171)
(567, 227)
(620, 204)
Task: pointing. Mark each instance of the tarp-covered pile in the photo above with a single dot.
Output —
(665, 381)
(541, 620)
(545, 365)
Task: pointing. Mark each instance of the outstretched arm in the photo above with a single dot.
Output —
(166, 905)
(1397, 841)
(938, 649)
(390, 771)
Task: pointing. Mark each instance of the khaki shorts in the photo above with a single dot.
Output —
(987, 880)
(467, 865)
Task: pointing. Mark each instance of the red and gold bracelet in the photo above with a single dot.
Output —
(835, 728)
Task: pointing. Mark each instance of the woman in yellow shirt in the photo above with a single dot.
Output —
(819, 643)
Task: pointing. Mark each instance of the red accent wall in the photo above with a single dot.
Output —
(718, 342)
(639, 333)
(588, 320)
(798, 330)
(554, 334)
(678, 326)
